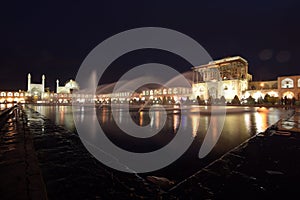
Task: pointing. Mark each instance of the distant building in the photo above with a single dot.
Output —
(220, 78)
(68, 88)
(36, 90)
(12, 96)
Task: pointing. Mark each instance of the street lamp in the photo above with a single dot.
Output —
(262, 85)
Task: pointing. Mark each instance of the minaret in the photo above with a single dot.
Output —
(43, 83)
(57, 85)
(28, 82)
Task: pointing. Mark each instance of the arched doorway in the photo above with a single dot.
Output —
(288, 94)
(212, 92)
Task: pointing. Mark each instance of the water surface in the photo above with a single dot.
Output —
(238, 127)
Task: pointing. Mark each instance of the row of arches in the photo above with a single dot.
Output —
(11, 94)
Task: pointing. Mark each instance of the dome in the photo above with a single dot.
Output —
(72, 85)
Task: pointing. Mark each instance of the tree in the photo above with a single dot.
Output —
(250, 100)
(267, 98)
(222, 100)
(236, 100)
(165, 101)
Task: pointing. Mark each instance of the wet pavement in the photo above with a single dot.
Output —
(19, 171)
(71, 172)
(264, 167)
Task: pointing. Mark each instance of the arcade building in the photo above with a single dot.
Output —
(224, 78)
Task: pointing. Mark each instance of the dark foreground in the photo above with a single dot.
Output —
(59, 167)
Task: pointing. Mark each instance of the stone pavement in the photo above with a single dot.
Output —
(265, 166)
(19, 171)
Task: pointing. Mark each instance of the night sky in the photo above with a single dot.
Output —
(54, 38)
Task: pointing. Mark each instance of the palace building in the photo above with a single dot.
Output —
(226, 77)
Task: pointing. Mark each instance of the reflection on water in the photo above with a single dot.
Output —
(6, 105)
(238, 127)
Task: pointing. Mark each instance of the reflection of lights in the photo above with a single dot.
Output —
(82, 114)
(261, 121)
(151, 118)
(2, 106)
(262, 109)
(247, 120)
(175, 122)
(120, 116)
(287, 125)
(195, 124)
(141, 118)
(157, 119)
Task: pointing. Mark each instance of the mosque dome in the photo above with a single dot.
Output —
(72, 85)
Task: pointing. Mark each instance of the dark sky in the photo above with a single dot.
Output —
(54, 37)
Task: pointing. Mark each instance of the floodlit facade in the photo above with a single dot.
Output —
(289, 86)
(226, 77)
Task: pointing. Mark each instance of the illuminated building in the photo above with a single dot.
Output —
(226, 77)
(289, 86)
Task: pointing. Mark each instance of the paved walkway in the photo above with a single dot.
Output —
(19, 171)
(264, 167)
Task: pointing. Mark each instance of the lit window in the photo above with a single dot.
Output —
(3, 94)
(175, 91)
(298, 82)
(9, 94)
(287, 83)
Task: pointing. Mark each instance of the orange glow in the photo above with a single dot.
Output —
(141, 118)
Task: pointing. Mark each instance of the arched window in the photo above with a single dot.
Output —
(164, 91)
(16, 94)
(9, 94)
(287, 83)
(201, 89)
(299, 82)
(3, 94)
(175, 91)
